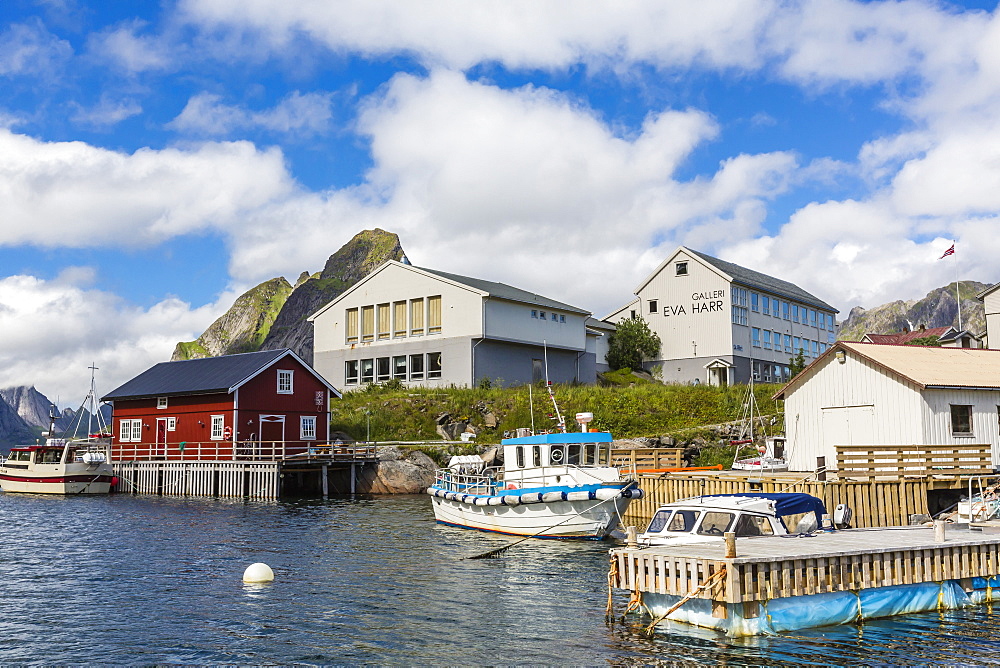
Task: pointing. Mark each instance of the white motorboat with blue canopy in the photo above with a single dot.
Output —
(551, 486)
(704, 519)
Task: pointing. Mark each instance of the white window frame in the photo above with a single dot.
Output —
(171, 424)
(290, 375)
(130, 430)
(161, 403)
(218, 427)
(307, 427)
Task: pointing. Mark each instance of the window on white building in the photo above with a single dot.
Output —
(788, 343)
(433, 365)
(398, 319)
(368, 323)
(739, 315)
(416, 317)
(416, 367)
(652, 306)
(765, 305)
(784, 310)
(399, 367)
(754, 302)
(384, 325)
(351, 372)
(756, 337)
(368, 370)
(961, 420)
(434, 315)
(382, 369)
(680, 269)
(351, 326)
(307, 427)
(767, 339)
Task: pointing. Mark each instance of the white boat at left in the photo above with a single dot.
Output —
(63, 465)
(551, 486)
(59, 467)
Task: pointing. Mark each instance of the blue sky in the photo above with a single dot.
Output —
(157, 159)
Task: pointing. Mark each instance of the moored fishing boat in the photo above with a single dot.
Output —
(63, 465)
(551, 486)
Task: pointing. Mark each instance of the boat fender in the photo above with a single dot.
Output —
(592, 494)
(511, 500)
(451, 496)
(583, 495)
(432, 491)
(482, 500)
(531, 497)
(606, 494)
(552, 497)
(633, 493)
(495, 501)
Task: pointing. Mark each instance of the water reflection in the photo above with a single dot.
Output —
(148, 580)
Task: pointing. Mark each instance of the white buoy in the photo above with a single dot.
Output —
(258, 573)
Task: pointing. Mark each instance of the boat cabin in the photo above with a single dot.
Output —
(573, 458)
(708, 518)
(51, 453)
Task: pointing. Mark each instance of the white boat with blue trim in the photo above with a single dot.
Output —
(551, 486)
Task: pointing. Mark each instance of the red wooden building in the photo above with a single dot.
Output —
(248, 407)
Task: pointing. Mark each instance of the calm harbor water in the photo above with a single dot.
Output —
(147, 580)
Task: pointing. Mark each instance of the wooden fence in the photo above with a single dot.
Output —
(647, 459)
(876, 503)
(878, 461)
(223, 479)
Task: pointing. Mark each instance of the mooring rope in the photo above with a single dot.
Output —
(697, 590)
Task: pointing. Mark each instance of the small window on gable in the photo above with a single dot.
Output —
(562, 318)
(652, 306)
(681, 269)
(534, 313)
(541, 314)
(554, 317)
(284, 381)
(161, 402)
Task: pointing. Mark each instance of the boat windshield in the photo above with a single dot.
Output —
(51, 456)
(715, 523)
(753, 525)
(680, 521)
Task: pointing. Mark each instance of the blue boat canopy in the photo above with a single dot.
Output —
(789, 503)
(569, 437)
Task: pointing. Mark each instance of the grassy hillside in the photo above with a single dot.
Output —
(648, 409)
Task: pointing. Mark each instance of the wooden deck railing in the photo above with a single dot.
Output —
(647, 460)
(895, 461)
(244, 451)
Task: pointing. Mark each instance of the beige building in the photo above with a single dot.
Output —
(871, 394)
(721, 323)
(991, 303)
(431, 328)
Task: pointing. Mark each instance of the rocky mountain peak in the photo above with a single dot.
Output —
(939, 308)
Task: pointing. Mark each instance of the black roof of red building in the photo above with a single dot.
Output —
(207, 375)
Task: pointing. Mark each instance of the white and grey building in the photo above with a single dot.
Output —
(720, 323)
(431, 328)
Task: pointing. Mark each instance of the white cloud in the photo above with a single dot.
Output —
(51, 331)
(297, 113)
(76, 195)
(134, 53)
(30, 49)
(107, 112)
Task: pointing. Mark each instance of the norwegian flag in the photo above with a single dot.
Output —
(950, 251)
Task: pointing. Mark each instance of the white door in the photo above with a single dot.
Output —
(847, 425)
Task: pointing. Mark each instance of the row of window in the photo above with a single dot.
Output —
(743, 299)
(381, 322)
(130, 431)
(771, 373)
(777, 341)
(542, 315)
(415, 367)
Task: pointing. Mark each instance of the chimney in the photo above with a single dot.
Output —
(922, 327)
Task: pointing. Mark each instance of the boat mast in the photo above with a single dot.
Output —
(548, 385)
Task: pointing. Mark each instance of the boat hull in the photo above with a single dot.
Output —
(582, 519)
(67, 482)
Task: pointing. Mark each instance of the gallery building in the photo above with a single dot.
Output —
(720, 323)
(426, 327)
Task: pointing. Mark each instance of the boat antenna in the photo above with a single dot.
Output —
(548, 384)
(531, 408)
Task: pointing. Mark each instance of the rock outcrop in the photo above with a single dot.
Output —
(938, 308)
(273, 314)
(31, 405)
(397, 472)
(244, 327)
(356, 259)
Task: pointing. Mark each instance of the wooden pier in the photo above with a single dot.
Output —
(317, 470)
(736, 593)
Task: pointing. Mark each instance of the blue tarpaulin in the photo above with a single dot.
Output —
(789, 503)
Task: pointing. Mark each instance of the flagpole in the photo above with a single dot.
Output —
(958, 298)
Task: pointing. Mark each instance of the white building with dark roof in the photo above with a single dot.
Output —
(426, 327)
(721, 323)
